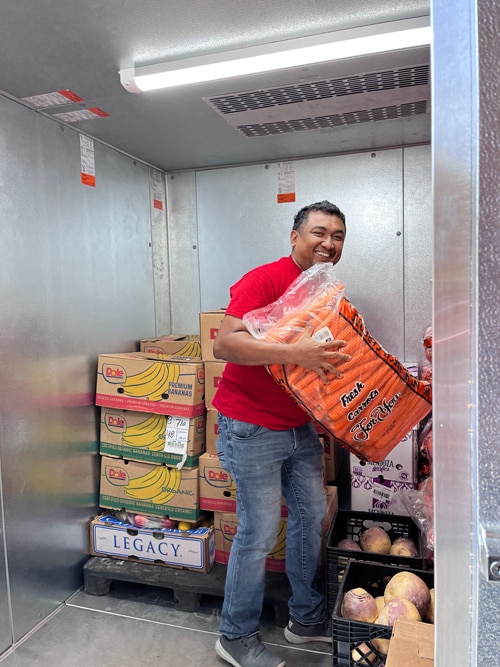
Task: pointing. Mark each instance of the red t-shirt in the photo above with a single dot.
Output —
(249, 393)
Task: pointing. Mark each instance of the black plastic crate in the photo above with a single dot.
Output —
(350, 524)
(349, 635)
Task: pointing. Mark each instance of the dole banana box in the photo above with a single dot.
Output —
(217, 488)
(192, 549)
(142, 436)
(226, 526)
(181, 345)
(213, 375)
(146, 383)
(149, 489)
(210, 322)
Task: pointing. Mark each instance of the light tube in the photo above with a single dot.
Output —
(379, 38)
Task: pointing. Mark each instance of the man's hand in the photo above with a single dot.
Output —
(321, 357)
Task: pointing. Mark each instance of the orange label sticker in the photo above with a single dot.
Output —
(87, 179)
(157, 203)
(98, 112)
(70, 95)
(285, 198)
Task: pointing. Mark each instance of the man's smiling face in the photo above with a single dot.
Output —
(320, 239)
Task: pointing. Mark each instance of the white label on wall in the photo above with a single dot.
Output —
(286, 182)
(87, 164)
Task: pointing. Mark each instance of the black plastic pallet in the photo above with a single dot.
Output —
(188, 586)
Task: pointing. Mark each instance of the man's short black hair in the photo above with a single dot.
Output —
(321, 206)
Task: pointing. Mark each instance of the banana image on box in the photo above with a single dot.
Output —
(149, 434)
(152, 382)
(142, 382)
(158, 486)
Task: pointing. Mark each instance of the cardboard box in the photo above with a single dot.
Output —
(401, 465)
(187, 549)
(209, 326)
(141, 436)
(145, 383)
(211, 431)
(217, 488)
(411, 645)
(371, 494)
(181, 345)
(226, 527)
(213, 374)
(332, 457)
(150, 489)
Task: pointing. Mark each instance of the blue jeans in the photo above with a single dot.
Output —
(265, 465)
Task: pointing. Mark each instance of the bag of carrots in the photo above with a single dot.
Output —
(376, 402)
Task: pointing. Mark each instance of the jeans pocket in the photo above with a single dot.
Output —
(243, 430)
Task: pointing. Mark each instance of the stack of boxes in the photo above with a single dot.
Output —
(151, 439)
(217, 488)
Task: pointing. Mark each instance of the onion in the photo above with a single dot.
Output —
(359, 605)
(381, 645)
(363, 655)
(403, 546)
(375, 540)
(429, 617)
(348, 544)
(398, 609)
(409, 586)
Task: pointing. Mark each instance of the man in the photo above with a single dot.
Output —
(270, 447)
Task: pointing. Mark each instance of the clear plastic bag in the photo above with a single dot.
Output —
(315, 289)
(419, 504)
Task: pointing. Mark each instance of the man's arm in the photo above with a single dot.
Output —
(236, 344)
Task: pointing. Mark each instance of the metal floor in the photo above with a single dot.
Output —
(138, 625)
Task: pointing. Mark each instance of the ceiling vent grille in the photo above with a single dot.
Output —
(332, 103)
(334, 120)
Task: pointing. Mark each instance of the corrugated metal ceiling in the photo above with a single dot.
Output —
(67, 45)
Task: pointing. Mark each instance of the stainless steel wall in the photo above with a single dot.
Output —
(234, 224)
(466, 165)
(76, 280)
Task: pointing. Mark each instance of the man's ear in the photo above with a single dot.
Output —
(293, 237)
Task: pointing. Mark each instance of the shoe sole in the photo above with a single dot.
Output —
(297, 639)
(222, 653)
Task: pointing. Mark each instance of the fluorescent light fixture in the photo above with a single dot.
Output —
(379, 38)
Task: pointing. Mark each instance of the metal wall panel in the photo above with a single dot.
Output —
(487, 266)
(418, 249)
(183, 261)
(240, 225)
(76, 280)
(5, 616)
(454, 341)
